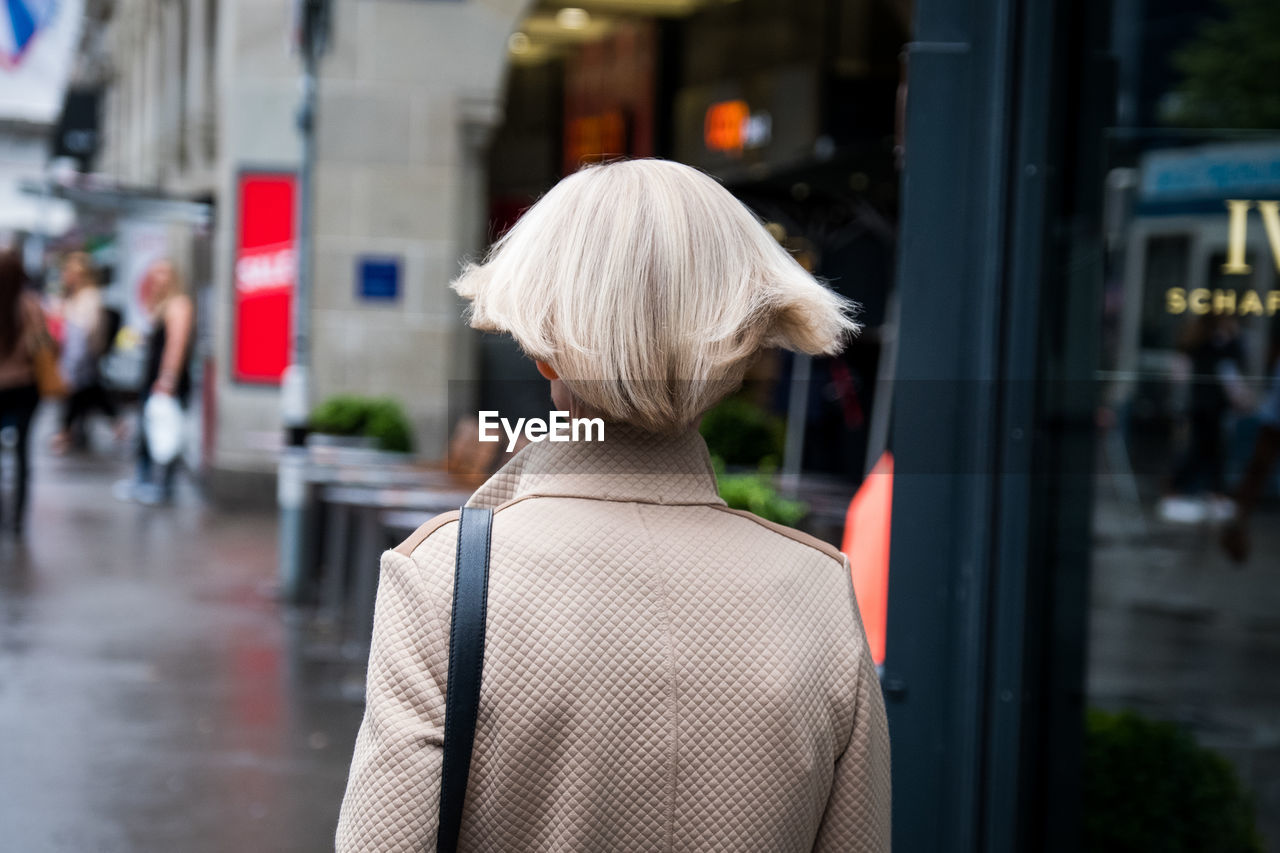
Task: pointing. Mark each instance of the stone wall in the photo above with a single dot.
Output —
(409, 95)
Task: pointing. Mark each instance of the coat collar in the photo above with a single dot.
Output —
(629, 465)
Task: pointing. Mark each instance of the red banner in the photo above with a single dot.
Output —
(265, 265)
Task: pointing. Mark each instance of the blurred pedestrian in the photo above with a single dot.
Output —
(84, 342)
(166, 371)
(22, 323)
(1211, 344)
(1261, 465)
(659, 671)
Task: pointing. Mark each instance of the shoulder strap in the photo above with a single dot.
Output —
(466, 668)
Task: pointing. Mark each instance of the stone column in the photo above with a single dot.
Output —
(409, 95)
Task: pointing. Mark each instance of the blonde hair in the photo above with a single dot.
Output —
(84, 261)
(648, 287)
(177, 286)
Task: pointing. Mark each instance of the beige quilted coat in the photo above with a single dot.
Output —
(661, 673)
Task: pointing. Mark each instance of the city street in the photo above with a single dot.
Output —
(153, 696)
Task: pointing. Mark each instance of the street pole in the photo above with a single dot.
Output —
(312, 34)
(797, 421)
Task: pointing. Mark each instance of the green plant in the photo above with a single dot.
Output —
(379, 418)
(1150, 786)
(342, 414)
(741, 433)
(755, 493)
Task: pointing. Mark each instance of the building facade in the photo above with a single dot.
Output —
(205, 92)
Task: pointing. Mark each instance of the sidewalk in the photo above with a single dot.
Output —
(153, 697)
(1178, 632)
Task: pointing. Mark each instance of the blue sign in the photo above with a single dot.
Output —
(1211, 172)
(378, 279)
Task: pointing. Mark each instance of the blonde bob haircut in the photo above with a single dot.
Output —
(648, 287)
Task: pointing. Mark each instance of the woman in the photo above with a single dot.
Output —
(83, 345)
(166, 371)
(21, 324)
(661, 672)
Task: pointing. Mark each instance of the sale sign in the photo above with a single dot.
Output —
(264, 272)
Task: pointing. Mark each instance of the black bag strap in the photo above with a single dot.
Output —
(466, 668)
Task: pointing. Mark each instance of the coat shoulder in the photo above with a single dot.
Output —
(813, 542)
(409, 545)
(432, 525)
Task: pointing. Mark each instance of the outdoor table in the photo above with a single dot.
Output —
(330, 527)
(361, 507)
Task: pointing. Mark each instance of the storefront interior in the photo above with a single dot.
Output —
(790, 104)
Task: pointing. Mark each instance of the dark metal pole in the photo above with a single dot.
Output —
(983, 670)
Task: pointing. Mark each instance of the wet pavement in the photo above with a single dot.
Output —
(153, 696)
(1179, 633)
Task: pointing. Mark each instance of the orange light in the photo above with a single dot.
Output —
(723, 126)
(595, 137)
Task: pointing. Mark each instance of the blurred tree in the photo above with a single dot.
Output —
(1230, 70)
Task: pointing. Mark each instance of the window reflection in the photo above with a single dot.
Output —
(1185, 609)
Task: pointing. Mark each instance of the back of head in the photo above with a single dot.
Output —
(648, 287)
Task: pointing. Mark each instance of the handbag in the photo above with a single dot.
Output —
(44, 364)
(49, 375)
(164, 426)
(466, 668)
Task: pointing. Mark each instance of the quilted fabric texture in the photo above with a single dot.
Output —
(661, 673)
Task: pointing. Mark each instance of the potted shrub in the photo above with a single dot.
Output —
(350, 420)
(743, 436)
(1149, 786)
(755, 492)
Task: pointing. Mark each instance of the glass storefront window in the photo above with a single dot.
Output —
(1183, 683)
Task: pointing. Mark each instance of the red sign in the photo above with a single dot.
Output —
(265, 263)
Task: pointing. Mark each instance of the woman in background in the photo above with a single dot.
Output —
(166, 371)
(82, 345)
(21, 322)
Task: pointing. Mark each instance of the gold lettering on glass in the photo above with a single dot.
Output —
(1237, 232)
(1200, 300)
(1270, 211)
